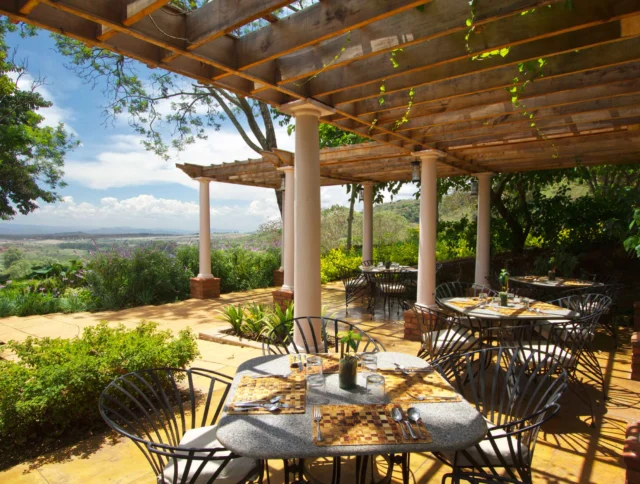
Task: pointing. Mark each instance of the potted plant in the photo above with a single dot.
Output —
(348, 363)
(504, 282)
(387, 265)
(551, 275)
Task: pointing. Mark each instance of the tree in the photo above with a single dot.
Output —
(12, 255)
(31, 155)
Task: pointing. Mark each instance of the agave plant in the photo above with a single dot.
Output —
(254, 322)
(234, 315)
(283, 320)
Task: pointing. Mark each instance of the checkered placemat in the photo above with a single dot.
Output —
(292, 389)
(361, 425)
(428, 385)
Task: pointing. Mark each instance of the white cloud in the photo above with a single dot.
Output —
(267, 208)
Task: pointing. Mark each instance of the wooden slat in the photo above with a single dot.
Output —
(319, 22)
(219, 17)
(25, 7)
(507, 32)
(439, 17)
(136, 10)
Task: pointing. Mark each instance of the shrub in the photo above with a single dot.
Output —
(54, 386)
(19, 269)
(255, 320)
(332, 262)
(122, 278)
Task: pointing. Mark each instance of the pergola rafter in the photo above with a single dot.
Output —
(337, 51)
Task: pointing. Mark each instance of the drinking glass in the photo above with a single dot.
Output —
(369, 362)
(375, 388)
(316, 390)
(314, 365)
(483, 296)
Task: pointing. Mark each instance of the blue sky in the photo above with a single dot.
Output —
(113, 182)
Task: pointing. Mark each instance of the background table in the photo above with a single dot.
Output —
(559, 282)
(374, 269)
(485, 313)
(452, 425)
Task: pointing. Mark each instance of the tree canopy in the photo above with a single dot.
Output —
(31, 154)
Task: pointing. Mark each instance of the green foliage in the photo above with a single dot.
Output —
(19, 269)
(54, 386)
(335, 260)
(11, 255)
(504, 279)
(348, 341)
(563, 262)
(632, 242)
(31, 155)
(122, 278)
(252, 321)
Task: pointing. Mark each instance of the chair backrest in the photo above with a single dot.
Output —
(393, 281)
(592, 305)
(444, 334)
(565, 340)
(462, 289)
(367, 263)
(511, 388)
(156, 407)
(279, 339)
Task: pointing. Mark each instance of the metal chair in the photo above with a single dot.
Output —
(391, 285)
(356, 285)
(170, 415)
(564, 340)
(591, 307)
(367, 263)
(279, 340)
(444, 334)
(516, 394)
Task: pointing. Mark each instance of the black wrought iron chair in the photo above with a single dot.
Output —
(516, 393)
(590, 307)
(564, 340)
(279, 340)
(392, 285)
(356, 285)
(444, 334)
(367, 263)
(170, 415)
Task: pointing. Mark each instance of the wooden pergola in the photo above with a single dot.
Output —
(513, 85)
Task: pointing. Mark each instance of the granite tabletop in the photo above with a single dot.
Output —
(557, 283)
(452, 425)
(515, 310)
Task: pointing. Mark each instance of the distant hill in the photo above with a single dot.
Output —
(409, 209)
(24, 230)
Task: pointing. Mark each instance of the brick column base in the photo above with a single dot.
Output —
(282, 298)
(278, 278)
(636, 316)
(631, 453)
(411, 326)
(202, 288)
(635, 357)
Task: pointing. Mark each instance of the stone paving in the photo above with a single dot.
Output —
(568, 450)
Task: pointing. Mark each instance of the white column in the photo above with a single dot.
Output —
(307, 295)
(428, 227)
(288, 229)
(483, 244)
(205, 230)
(367, 223)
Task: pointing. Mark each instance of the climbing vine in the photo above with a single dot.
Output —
(335, 59)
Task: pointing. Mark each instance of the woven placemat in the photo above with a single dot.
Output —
(428, 385)
(520, 311)
(292, 389)
(330, 361)
(361, 425)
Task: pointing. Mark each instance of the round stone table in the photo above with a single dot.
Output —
(452, 425)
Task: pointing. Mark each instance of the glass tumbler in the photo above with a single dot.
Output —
(314, 365)
(369, 363)
(316, 390)
(376, 388)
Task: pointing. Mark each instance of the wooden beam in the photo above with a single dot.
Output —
(570, 63)
(503, 33)
(314, 24)
(25, 7)
(219, 17)
(136, 10)
(439, 17)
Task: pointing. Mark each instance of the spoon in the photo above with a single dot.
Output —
(396, 415)
(271, 407)
(414, 415)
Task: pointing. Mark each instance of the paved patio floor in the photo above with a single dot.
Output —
(568, 451)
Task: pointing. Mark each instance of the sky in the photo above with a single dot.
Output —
(112, 181)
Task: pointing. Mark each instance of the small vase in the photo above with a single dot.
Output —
(504, 299)
(348, 373)
(551, 275)
(387, 265)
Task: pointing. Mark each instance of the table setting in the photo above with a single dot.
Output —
(488, 307)
(554, 282)
(295, 406)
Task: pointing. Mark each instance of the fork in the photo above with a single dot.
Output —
(317, 416)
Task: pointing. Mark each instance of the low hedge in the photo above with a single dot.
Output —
(53, 388)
